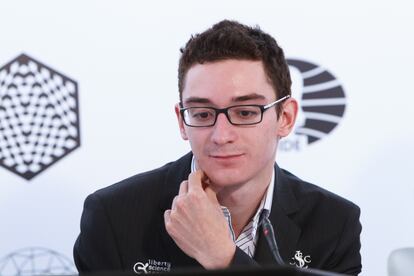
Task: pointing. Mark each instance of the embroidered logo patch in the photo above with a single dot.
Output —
(299, 260)
(151, 266)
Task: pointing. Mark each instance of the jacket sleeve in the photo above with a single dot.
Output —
(347, 257)
(96, 248)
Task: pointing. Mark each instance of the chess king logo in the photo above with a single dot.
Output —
(321, 100)
(39, 116)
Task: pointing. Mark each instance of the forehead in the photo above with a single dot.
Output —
(222, 81)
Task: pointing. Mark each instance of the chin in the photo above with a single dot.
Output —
(225, 178)
(225, 173)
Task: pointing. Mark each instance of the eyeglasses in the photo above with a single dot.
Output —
(237, 114)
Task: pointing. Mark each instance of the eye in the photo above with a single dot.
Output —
(247, 112)
(201, 114)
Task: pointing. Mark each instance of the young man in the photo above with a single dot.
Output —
(206, 209)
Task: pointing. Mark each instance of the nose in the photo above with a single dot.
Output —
(223, 131)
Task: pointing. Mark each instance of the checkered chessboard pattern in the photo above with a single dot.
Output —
(39, 120)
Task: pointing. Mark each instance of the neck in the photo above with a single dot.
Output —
(244, 199)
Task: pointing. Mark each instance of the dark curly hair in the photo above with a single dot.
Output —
(232, 40)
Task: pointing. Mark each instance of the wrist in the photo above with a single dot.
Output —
(222, 258)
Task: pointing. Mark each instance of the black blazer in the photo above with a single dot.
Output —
(123, 224)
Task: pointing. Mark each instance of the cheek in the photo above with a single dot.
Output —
(265, 141)
(197, 139)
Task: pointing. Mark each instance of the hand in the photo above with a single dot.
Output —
(197, 225)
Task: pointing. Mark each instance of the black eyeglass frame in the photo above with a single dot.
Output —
(263, 108)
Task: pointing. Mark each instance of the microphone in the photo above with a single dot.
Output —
(269, 234)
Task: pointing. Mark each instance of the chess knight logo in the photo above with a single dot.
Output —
(39, 116)
(321, 100)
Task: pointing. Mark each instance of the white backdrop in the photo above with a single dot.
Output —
(124, 56)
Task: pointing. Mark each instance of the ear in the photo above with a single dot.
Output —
(287, 117)
(180, 122)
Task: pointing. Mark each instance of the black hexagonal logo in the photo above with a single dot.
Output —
(39, 116)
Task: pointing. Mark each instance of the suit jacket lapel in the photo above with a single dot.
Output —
(287, 233)
(177, 172)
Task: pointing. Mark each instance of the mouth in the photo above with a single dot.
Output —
(226, 156)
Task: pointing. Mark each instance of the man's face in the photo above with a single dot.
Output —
(230, 154)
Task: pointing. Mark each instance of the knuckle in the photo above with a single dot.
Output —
(180, 203)
(175, 198)
(174, 203)
(170, 228)
(195, 197)
(173, 217)
(168, 225)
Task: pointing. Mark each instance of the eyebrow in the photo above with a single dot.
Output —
(244, 98)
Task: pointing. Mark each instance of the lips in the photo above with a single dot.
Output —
(226, 156)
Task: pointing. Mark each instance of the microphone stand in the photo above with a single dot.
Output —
(269, 234)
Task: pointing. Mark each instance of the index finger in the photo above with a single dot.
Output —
(195, 181)
(183, 188)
